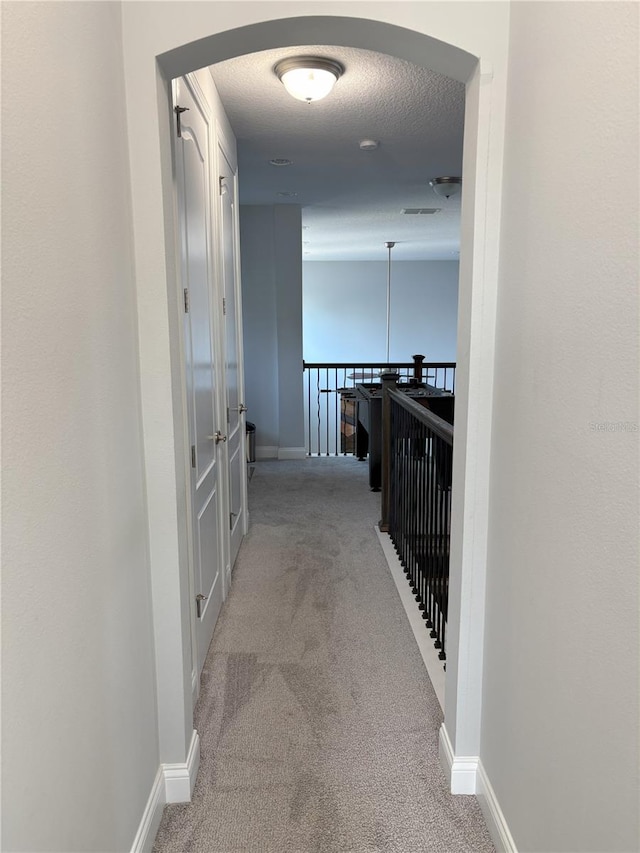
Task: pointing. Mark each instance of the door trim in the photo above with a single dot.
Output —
(152, 56)
(218, 491)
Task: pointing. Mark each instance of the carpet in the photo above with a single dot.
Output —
(318, 724)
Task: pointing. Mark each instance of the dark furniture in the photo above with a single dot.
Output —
(369, 419)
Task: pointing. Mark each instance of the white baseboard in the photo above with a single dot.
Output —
(496, 823)
(174, 783)
(147, 831)
(466, 775)
(432, 662)
(445, 753)
(180, 779)
(460, 770)
(265, 451)
(292, 453)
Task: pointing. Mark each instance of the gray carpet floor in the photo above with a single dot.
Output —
(318, 723)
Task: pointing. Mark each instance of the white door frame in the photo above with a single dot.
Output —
(160, 33)
(244, 483)
(223, 150)
(215, 140)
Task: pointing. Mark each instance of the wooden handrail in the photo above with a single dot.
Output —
(436, 424)
(369, 365)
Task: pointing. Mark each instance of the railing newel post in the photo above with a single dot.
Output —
(418, 361)
(389, 379)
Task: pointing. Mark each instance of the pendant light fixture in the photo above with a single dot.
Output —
(308, 78)
(389, 246)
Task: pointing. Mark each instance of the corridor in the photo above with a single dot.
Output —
(318, 724)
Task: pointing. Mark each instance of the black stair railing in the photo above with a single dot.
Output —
(330, 409)
(416, 502)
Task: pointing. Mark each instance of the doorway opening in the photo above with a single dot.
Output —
(358, 167)
(476, 324)
(340, 184)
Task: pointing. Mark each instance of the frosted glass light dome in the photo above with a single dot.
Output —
(308, 78)
(446, 186)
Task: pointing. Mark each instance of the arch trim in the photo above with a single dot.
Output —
(410, 45)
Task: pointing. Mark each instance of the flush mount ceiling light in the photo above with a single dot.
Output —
(280, 161)
(308, 78)
(446, 187)
(368, 145)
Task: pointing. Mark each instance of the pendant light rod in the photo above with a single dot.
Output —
(389, 245)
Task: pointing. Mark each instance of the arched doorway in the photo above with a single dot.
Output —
(161, 44)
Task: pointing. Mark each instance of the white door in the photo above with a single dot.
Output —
(233, 358)
(205, 421)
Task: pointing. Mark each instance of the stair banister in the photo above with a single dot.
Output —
(389, 381)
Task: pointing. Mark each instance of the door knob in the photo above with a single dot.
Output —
(242, 408)
(199, 599)
(218, 437)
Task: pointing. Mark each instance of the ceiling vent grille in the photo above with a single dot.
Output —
(420, 211)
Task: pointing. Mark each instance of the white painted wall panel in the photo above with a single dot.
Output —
(271, 251)
(560, 705)
(79, 728)
(259, 317)
(288, 274)
(345, 310)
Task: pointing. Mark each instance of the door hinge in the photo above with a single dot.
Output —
(178, 111)
(193, 456)
(224, 305)
(186, 300)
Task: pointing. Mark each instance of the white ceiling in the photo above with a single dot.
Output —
(351, 199)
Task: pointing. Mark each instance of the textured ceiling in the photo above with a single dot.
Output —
(351, 199)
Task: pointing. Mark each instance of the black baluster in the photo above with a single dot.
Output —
(319, 422)
(309, 408)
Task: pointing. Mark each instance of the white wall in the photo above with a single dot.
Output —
(80, 737)
(345, 310)
(259, 319)
(271, 251)
(288, 276)
(560, 704)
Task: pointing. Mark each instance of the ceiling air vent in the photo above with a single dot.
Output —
(418, 211)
